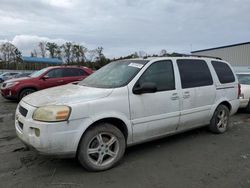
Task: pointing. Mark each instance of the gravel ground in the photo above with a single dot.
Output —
(195, 159)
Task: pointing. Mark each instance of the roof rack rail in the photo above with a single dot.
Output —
(190, 55)
(204, 56)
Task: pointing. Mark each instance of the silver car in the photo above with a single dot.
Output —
(244, 80)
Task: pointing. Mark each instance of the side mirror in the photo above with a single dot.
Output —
(45, 77)
(147, 87)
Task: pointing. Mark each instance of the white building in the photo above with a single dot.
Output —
(236, 54)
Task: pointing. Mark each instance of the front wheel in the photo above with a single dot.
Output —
(220, 120)
(25, 92)
(101, 147)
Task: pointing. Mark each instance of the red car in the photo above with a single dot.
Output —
(16, 89)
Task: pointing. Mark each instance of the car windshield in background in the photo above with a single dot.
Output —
(244, 78)
(38, 73)
(115, 74)
(3, 74)
(20, 75)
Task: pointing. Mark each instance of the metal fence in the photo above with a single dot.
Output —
(7, 70)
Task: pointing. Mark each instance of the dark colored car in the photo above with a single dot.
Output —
(16, 89)
(7, 75)
(23, 74)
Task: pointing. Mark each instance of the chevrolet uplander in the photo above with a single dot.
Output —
(125, 103)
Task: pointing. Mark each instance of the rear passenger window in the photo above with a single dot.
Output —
(194, 73)
(71, 72)
(223, 72)
(160, 73)
(79, 72)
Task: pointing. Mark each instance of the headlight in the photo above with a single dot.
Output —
(52, 113)
(11, 84)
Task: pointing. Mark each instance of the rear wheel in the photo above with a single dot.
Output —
(101, 147)
(1, 80)
(248, 107)
(220, 120)
(25, 92)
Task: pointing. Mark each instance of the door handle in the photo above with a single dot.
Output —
(59, 81)
(186, 95)
(175, 96)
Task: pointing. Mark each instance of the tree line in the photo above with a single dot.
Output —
(70, 53)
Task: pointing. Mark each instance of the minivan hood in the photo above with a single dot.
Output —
(65, 95)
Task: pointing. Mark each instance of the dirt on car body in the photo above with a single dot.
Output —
(192, 159)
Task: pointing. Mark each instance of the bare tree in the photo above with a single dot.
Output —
(33, 53)
(99, 52)
(83, 53)
(101, 60)
(42, 48)
(9, 52)
(66, 50)
(17, 56)
(163, 52)
(58, 52)
(52, 48)
(135, 55)
(10, 55)
(92, 54)
(142, 54)
(78, 53)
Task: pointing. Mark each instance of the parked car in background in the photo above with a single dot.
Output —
(22, 74)
(7, 75)
(16, 89)
(244, 80)
(239, 69)
(125, 103)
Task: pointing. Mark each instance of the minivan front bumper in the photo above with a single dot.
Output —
(55, 138)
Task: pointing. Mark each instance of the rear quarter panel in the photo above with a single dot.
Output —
(227, 92)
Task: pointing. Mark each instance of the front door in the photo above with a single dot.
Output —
(155, 114)
(53, 78)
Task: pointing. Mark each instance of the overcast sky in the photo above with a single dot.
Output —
(122, 27)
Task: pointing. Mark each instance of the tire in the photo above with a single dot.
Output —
(101, 147)
(248, 107)
(25, 92)
(220, 120)
(1, 80)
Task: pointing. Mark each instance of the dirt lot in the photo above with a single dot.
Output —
(194, 159)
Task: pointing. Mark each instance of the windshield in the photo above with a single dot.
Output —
(38, 73)
(3, 74)
(115, 74)
(244, 78)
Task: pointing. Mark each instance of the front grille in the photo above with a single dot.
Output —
(20, 125)
(23, 111)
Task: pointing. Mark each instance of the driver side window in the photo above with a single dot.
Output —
(161, 74)
(55, 73)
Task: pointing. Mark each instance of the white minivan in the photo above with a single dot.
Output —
(128, 102)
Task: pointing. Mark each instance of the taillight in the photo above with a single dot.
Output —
(239, 91)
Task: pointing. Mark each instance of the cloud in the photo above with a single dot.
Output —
(60, 3)
(27, 43)
(125, 26)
